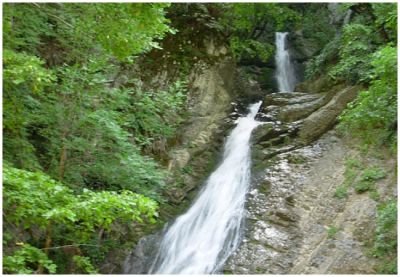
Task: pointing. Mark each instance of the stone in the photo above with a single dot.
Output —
(322, 120)
(179, 159)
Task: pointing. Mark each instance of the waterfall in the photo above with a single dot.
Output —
(285, 71)
(201, 240)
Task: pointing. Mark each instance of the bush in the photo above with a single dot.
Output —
(373, 174)
(27, 260)
(363, 186)
(354, 53)
(332, 231)
(373, 115)
(341, 192)
(385, 245)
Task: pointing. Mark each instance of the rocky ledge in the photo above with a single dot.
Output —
(294, 223)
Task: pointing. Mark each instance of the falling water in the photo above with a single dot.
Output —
(285, 71)
(201, 240)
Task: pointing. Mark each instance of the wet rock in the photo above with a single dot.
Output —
(140, 259)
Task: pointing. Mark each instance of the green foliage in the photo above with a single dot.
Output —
(355, 54)
(353, 166)
(368, 178)
(332, 231)
(317, 65)
(155, 114)
(24, 81)
(27, 260)
(83, 264)
(130, 28)
(95, 124)
(24, 27)
(250, 48)
(373, 115)
(353, 163)
(341, 192)
(386, 17)
(385, 246)
(35, 201)
(365, 53)
(187, 169)
(71, 111)
(79, 128)
(122, 30)
(374, 195)
(351, 50)
(297, 159)
(246, 22)
(373, 174)
(363, 186)
(350, 175)
(316, 26)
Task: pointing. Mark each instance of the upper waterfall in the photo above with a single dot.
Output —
(201, 240)
(285, 75)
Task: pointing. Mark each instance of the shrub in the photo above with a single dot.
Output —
(385, 245)
(341, 192)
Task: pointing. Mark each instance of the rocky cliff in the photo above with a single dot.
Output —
(295, 224)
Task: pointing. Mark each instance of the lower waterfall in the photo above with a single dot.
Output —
(201, 240)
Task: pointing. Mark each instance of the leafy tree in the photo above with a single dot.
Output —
(355, 53)
(86, 131)
(122, 30)
(373, 115)
(26, 259)
(35, 201)
(25, 79)
(245, 23)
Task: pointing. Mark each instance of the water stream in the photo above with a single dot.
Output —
(285, 75)
(201, 240)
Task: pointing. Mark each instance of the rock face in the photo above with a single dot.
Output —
(140, 260)
(209, 105)
(291, 209)
(294, 224)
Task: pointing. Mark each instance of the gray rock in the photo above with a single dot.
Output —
(322, 120)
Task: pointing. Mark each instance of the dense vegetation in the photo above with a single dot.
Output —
(365, 53)
(66, 119)
(83, 130)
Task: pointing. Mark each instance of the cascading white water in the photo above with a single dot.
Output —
(201, 240)
(284, 68)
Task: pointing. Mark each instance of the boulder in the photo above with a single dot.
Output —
(322, 120)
